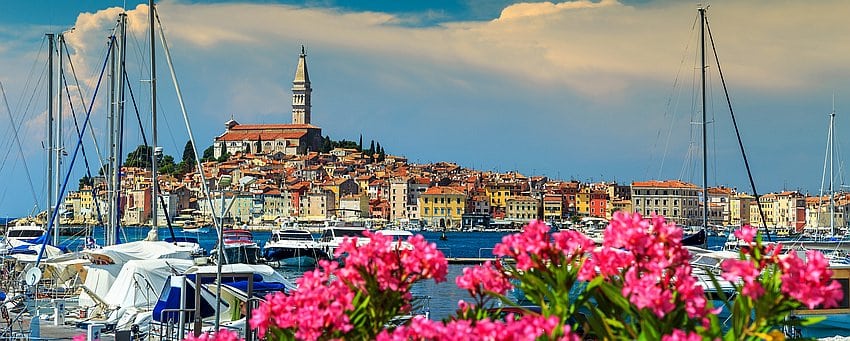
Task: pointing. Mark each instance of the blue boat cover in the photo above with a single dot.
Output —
(260, 288)
(224, 278)
(170, 299)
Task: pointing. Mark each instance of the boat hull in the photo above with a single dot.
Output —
(291, 255)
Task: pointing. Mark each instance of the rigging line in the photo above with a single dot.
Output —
(35, 91)
(83, 147)
(737, 131)
(186, 121)
(145, 141)
(667, 108)
(18, 142)
(35, 63)
(83, 101)
(73, 158)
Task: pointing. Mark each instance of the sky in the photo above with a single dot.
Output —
(575, 90)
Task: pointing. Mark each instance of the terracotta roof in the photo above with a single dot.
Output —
(273, 126)
(664, 184)
(259, 135)
(442, 190)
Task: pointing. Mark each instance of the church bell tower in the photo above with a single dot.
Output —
(301, 92)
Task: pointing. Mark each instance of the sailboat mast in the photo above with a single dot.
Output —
(119, 123)
(58, 151)
(50, 133)
(831, 174)
(704, 135)
(154, 182)
(111, 226)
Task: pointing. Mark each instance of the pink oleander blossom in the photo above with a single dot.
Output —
(746, 233)
(679, 335)
(483, 278)
(530, 327)
(745, 270)
(648, 258)
(810, 281)
(317, 305)
(222, 335)
(530, 244)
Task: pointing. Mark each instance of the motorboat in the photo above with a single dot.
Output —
(239, 247)
(333, 236)
(293, 247)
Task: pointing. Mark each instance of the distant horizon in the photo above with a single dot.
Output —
(572, 90)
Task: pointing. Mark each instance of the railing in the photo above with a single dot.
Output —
(486, 248)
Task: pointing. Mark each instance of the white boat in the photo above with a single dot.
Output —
(399, 238)
(239, 247)
(333, 236)
(25, 233)
(293, 247)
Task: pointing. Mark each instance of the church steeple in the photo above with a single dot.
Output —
(301, 91)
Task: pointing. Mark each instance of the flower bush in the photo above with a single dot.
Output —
(638, 284)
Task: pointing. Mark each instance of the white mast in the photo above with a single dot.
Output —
(154, 183)
(58, 146)
(50, 134)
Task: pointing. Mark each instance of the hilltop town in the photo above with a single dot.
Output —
(290, 173)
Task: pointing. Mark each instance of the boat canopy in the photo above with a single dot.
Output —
(121, 253)
(141, 281)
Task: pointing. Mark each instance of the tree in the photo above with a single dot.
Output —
(371, 150)
(189, 153)
(166, 165)
(327, 144)
(224, 157)
(360, 145)
(141, 157)
(209, 154)
(85, 181)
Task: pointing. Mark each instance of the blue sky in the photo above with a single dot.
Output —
(573, 90)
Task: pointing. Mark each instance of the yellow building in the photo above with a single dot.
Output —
(498, 193)
(521, 209)
(583, 201)
(441, 206)
(767, 203)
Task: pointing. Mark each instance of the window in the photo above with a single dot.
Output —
(426, 210)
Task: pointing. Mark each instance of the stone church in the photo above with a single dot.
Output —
(297, 138)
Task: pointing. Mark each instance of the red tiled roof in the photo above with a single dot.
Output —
(664, 184)
(272, 126)
(442, 190)
(259, 135)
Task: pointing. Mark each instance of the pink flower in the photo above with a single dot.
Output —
(679, 335)
(532, 243)
(79, 337)
(810, 281)
(221, 335)
(734, 269)
(746, 233)
(483, 278)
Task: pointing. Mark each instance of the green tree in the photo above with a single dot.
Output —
(224, 157)
(141, 157)
(360, 145)
(209, 154)
(371, 150)
(166, 165)
(189, 153)
(85, 181)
